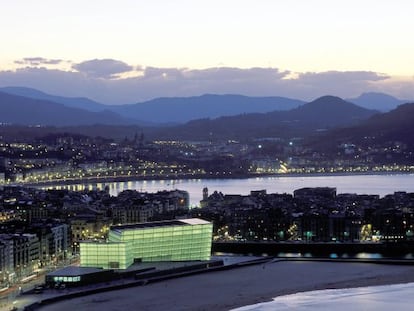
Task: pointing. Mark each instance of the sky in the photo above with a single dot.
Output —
(127, 51)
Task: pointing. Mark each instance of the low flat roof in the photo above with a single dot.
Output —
(195, 221)
(165, 223)
(74, 271)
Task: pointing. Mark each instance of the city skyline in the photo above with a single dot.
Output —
(131, 51)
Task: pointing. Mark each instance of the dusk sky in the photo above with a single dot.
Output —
(126, 51)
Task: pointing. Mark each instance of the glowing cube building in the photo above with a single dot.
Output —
(173, 240)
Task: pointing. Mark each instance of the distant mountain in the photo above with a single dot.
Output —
(74, 102)
(184, 109)
(377, 101)
(171, 110)
(179, 110)
(343, 121)
(329, 111)
(323, 113)
(396, 125)
(28, 111)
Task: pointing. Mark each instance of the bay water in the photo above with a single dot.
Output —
(381, 184)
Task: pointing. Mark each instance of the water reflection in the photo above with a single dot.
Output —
(335, 255)
(368, 256)
(360, 184)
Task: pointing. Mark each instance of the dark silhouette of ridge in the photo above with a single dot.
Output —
(323, 113)
(28, 111)
(184, 109)
(377, 101)
(74, 102)
(394, 126)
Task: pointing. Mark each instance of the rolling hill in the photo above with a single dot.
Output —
(396, 125)
(28, 111)
(171, 110)
(355, 126)
(377, 101)
(184, 109)
(179, 110)
(321, 114)
(73, 102)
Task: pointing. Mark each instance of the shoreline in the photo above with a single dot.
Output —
(348, 298)
(226, 290)
(112, 179)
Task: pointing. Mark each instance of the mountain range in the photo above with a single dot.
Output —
(232, 117)
(29, 111)
(179, 110)
(324, 113)
(169, 110)
(377, 101)
(395, 126)
(73, 102)
(330, 119)
(184, 109)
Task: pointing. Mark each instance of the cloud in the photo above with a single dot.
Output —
(339, 83)
(105, 81)
(37, 61)
(238, 74)
(102, 68)
(343, 76)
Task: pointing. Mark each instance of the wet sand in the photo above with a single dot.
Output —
(225, 290)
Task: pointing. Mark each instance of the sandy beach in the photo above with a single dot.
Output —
(225, 290)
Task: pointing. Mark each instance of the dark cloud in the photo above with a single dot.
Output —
(37, 61)
(100, 80)
(102, 68)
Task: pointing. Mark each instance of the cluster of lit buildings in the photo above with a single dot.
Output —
(310, 214)
(23, 254)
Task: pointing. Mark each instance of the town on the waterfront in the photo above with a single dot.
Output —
(43, 229)
(74, 208)
(186, 155)
(73, 158)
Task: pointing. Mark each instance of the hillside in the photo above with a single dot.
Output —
(377, 101)
(28, 111)
(322, 114)
(175, 110)
(171, 110)
(74, 102)
(396, 125)
(327, 112)
(184, 109)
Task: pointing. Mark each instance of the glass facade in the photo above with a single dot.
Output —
(105, 255)
(183, 240)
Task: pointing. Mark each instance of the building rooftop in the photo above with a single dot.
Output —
(74, 271)
(166, 223)
(195, 221)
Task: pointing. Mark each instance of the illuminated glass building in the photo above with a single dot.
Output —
(174, 240)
